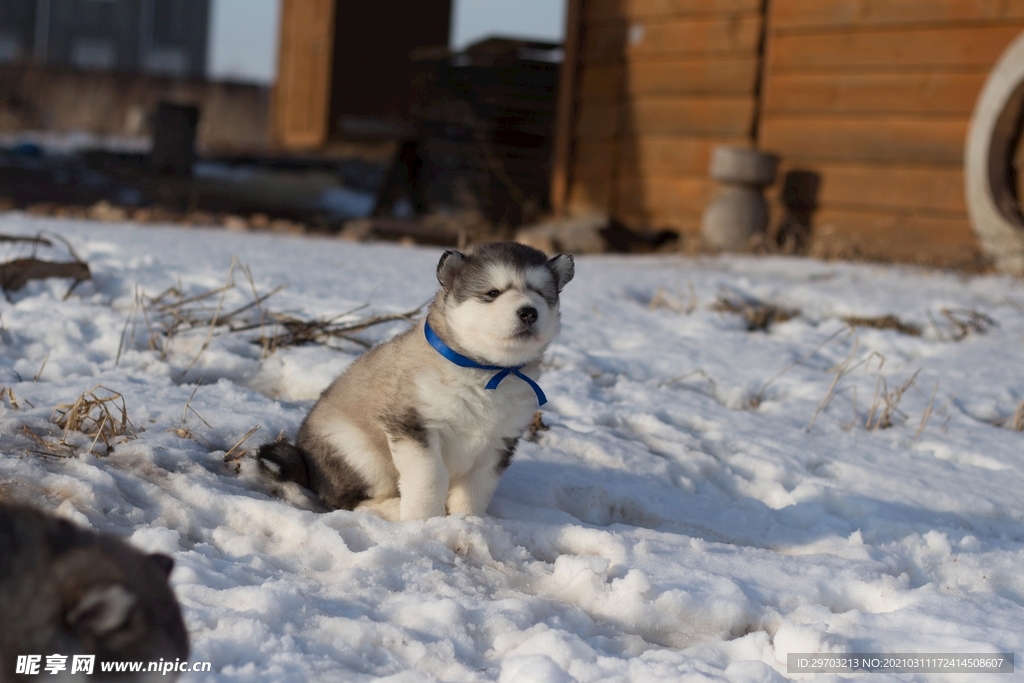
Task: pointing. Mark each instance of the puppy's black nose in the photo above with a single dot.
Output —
(528, 314)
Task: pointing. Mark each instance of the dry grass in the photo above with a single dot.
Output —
(753, 402)
(289, 330)
(536, 426)
(885, 403)
(960, 323)
(100, 413)
(236, 452)
(847, 366)
(756, 399)
(673, 302)
(171, 315)
(16, 273)
(1017, 422)
(42, 366)
(54, 449)
(885, 322)
(699, 372)
(37, 240)
(12, 400)
(927, 411)
(759, 315)
(181, 430)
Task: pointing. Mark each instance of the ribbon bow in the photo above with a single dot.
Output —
(464, 362)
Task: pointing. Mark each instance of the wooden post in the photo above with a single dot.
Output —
(763, 53)
(302, 93)
(565, 110)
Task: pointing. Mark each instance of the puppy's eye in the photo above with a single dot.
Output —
(493, 293)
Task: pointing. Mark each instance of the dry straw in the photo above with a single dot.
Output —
(181, 430)
(1018, 418)
(172, 314)
(12, 400)
(884, 322)
(886, 403)
(927, 411)
(758, 314)
(100, 413)
(236, 452)
(843, 369)
(756, 399)
(961, 322)
(674, 302)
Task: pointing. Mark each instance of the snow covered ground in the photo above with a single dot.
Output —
(679, 520)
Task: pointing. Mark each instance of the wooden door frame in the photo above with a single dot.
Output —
(281, 95)
(565, 112)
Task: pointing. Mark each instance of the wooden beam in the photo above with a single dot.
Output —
(957, 46)
(669, 76)
(664, 155)
(712, 116)
(924, 188)
(901, 235)
(611, 10)
(596, 120)
(664, 194)
(690, 116)
(565, 113)
(693, 37)
(816, 14)
(872, 140)
(929, 93)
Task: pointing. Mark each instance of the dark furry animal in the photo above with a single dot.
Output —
(67, 590)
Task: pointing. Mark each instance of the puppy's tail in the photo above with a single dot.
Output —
(285, 461)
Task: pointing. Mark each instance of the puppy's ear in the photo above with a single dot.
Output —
(164, 562)
(450, 264)
(102, 609)
(563, 268)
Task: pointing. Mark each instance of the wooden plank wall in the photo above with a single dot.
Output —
(659, 83)
(876, 97)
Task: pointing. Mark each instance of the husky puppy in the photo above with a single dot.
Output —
(71, 591)
(426, 423)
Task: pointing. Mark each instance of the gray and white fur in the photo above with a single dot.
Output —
(410, 435)
(67, 590)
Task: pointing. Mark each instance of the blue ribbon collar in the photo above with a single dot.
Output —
(464, 362)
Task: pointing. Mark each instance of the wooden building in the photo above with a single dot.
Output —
(871, 97)
(484, 128)
(344, 68)
(158, 37)
(475, 127)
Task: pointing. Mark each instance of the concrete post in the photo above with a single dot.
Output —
(739, 211)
